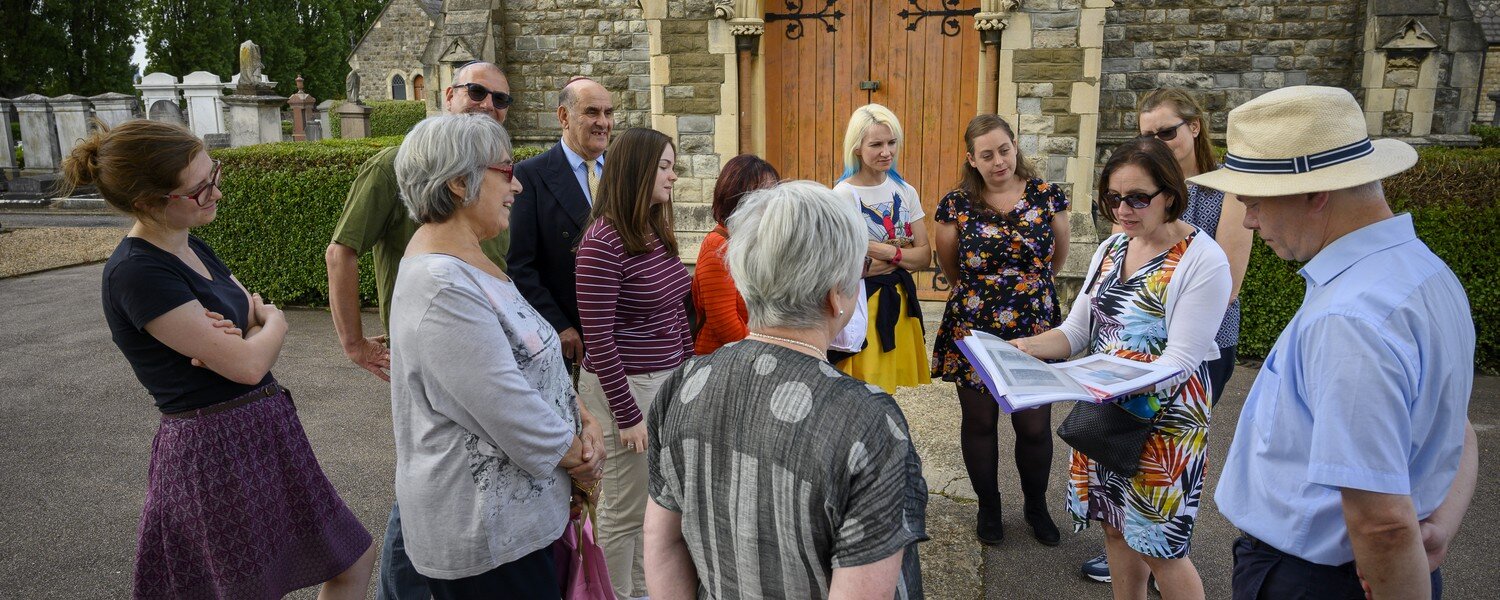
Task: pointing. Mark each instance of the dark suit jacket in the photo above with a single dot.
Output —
(546, 221)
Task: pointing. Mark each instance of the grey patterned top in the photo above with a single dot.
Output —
(1205, 205)
(784, 469)
(483, 412)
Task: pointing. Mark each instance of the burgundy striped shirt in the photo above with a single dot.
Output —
(632, 312)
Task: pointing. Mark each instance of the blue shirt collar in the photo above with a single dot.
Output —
(575, 160)
(1355, 246)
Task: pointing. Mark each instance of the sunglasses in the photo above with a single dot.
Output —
(1137, 201)
(478, 93)
(1166, 134)
(198, 195)
(509, 171)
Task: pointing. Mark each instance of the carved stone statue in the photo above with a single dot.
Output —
(351, 87)
(251, 68)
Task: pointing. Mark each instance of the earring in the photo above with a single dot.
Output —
(841, 312)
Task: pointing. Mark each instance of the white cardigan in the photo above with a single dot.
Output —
(1197, 297)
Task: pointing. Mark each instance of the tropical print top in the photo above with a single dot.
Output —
(1005, 282)
(1156, 509)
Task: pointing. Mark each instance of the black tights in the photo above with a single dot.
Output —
(981, 448)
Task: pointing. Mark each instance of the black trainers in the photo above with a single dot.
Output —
(1097, 568)
(989, 529)
(1042, 526)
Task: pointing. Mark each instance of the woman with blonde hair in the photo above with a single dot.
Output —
(236, 504)
(894, 353)
(631, 290)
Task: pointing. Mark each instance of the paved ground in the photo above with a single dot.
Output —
(75, 434)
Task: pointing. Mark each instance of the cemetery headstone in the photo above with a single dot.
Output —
(302, 108)
(71, 114)
(7, 145)
(155, 87)
(205, 113)
(114, 108)
(38, 134)
(166, 111)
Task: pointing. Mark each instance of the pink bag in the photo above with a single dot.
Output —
(581, 571)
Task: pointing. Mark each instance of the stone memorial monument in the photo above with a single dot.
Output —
(354, 116)
(254, 107)
(71, 113)
(325, 112)
(155, 88)
(302, 111)
(38, 134)
(7, 145)
(114, 108)
(205, 112)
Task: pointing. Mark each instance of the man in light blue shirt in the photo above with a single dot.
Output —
(1354, 444)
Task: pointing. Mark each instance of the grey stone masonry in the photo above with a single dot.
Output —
(38, 134)
(395, 46)
(7, 145)
(549, 41)
(1225, 52)
(114, 108)
(71, 113)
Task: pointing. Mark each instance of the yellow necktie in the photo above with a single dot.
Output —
(593, 179)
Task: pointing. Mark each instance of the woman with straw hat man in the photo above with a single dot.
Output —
(1353, 445)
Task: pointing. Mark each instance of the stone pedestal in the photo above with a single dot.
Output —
(7, 145)
(205, 114)
(72, 116)
(38, 134)
(254, 119)
(302, 109)
(114, 108)
(324, 111)
(158, 87)
(354, 120)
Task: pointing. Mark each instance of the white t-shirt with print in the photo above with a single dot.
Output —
(881, 199)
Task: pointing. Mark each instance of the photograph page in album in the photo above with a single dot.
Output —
(1020, 381)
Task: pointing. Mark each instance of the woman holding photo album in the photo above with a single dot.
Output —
(1154, 293)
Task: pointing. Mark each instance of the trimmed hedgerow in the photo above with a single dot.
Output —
(1455, 207)
(395, 117)
(1489, 135)
(281, 202)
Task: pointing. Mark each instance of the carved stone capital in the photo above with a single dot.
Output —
(993, 14)
(754, 27)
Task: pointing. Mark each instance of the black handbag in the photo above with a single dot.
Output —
(1109, 434)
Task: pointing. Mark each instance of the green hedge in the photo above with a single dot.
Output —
(1455, 206)
(1489, 135)
(281, 202)
(395, 117)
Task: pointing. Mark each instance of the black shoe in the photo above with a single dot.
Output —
(1042, 527)
(990, 531)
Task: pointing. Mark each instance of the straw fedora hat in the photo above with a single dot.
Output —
(1303, 139)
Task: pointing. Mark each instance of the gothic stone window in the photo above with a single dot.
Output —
(398, 87)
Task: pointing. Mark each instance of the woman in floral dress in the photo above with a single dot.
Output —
(1000, 237)
(1154, 293)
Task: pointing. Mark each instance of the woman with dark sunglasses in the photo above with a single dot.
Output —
(1000, 239)
(1155, 293)
(236, 504)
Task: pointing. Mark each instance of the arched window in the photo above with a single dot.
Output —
(398, 87)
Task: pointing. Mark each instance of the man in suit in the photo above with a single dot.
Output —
(553, 207)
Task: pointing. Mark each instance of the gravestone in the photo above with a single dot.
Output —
(155, 87)
(7, 145)
(354, 120)
(38, 134)
(302, 109)
(205, 113)
(254, 108)
(114, 108)
(325, 110)
(71, 114)
(166, 111)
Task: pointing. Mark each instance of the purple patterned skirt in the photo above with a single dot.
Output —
(237, 507)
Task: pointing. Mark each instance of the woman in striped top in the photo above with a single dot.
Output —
(631, 287)
(720, 308)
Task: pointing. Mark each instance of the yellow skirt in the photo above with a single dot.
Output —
(906, 364)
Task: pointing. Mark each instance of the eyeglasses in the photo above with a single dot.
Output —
(1165, 134)
(198, 195)
(509, 171)
(477, 93)
(1137, 201)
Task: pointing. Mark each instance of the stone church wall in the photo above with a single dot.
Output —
(395, 44)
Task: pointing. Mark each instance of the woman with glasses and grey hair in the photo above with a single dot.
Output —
(762, 452)
(486, 422)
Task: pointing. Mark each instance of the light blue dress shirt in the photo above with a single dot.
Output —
(580, 171)
(1367, 388)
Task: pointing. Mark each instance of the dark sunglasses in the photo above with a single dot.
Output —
(477, 93)
(508, 170)
(1166, 134)
(197, 195)
(1137, 201)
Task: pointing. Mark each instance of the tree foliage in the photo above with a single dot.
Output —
(76, 47)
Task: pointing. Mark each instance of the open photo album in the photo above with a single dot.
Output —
(1019, 381)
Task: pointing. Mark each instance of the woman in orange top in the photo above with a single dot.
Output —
(721, 311)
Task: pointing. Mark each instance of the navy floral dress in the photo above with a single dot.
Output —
(1005, 284)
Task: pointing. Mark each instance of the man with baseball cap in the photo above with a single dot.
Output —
(1354, 446)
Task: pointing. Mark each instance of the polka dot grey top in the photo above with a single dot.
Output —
(783, 469)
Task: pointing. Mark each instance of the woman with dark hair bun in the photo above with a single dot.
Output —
(236, 504)
(722, 315)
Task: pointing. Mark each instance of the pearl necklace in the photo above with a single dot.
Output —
(811, 347)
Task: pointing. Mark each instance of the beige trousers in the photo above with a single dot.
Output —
(622, 494)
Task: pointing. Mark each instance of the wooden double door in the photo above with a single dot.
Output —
(826, 58)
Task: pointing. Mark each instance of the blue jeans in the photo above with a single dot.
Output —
(398, 579)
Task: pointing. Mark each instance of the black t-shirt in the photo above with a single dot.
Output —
(143, 282)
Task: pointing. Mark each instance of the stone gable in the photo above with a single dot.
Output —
(394, 44)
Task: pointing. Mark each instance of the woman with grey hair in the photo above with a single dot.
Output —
(763, 453)
(486, 423)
